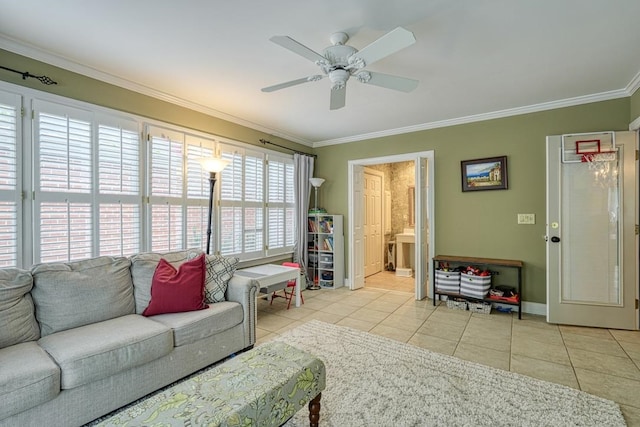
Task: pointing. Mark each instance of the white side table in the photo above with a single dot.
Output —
(268, 275)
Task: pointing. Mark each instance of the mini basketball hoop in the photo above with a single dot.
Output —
(602, 156)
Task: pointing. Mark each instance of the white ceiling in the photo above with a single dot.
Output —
(475, 59)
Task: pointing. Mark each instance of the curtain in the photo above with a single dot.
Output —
(303, 170)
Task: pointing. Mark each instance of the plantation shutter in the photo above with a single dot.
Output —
(63, 182)
(10, 187)
(280, 205)
(166, 189)
(119, 193)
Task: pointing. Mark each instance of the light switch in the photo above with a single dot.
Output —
(526, 218)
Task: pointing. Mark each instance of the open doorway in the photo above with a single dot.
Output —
(413, 209)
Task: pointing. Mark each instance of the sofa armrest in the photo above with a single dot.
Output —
(244, 290)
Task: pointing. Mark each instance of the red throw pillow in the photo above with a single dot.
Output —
(175, 291)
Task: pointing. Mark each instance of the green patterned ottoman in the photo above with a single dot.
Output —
(262, 387)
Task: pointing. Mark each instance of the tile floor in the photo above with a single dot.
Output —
(599, 361)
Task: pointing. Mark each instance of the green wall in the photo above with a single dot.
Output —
(77, 86)
(482, 224)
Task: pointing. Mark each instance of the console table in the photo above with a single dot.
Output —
(269, 276)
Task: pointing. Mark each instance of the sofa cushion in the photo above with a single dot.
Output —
(143, 266)
(17, 317)
(177, 290)
(96, 351)
(219, 271)
(28, 377)
(68, 295)
(195, 325)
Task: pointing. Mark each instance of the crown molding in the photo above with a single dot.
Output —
(38, 54)
(570, 102)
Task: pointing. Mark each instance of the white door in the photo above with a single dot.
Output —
(591, 232)
(372, 222)
(357, 229)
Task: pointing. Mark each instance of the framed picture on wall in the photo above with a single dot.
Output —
(484, 174)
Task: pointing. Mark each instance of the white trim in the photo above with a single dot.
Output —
(414, 157)
(70, 65)
(635, 125)
(38, 54)
(570, 102)
(536, 308)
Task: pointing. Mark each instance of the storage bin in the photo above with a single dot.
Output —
(448, 281)
(456, 304)
(327, 275)
(474, 286)
(326, 257)
(480, 307)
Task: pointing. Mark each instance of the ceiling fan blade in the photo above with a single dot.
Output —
(292, 83)
(338, 97)
(295, 47)
(390, 82)
(391, 42)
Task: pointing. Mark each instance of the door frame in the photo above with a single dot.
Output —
(355, 251)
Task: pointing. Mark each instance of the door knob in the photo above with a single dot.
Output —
(555, 239)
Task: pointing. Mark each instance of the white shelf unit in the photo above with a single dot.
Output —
(325, 250)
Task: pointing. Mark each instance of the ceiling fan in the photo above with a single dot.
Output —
(339, 62)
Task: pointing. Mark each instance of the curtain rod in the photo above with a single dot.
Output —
(43, 79)
(264, 141)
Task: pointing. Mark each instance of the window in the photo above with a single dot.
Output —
(179, 189)
(92, 186)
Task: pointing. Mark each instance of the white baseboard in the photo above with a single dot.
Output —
(534, 308)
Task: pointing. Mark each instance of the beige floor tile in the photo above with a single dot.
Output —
(432, 343)
(361, 325)
(355, 300)
(369, 315)
(444, 330)
(604, 363)
(542, 351)
(323, 317)
(338, 308)
(592, 343)
(272, 322)
(631, 415)
(390, 332)
(627, 336)
(487, 327)
(406, 323)
(543, 370)
(314, 303)
(487, 340)
(622, 390)
(632, 350)
(262, 332)
(450, 316)
(369, 294)
(293, 324)
(296, 313)
(483, 355)
(396, 298)
(333, 296)
(600, 333)
(385, 306)
(544, 335)
(416, 312)
(266, 338)
(534, 321)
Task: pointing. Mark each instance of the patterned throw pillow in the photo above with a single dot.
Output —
(219, 271)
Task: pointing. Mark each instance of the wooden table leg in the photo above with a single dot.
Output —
(314, 411)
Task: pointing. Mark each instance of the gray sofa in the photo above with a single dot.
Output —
(74, 345)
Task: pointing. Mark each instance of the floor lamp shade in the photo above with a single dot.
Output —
(316, 182)
(213, 165)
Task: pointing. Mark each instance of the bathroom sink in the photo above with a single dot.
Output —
(405, 238)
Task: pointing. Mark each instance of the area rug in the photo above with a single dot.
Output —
(376, 381)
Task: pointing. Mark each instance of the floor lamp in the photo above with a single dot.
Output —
(316, 182)
(213, 165)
